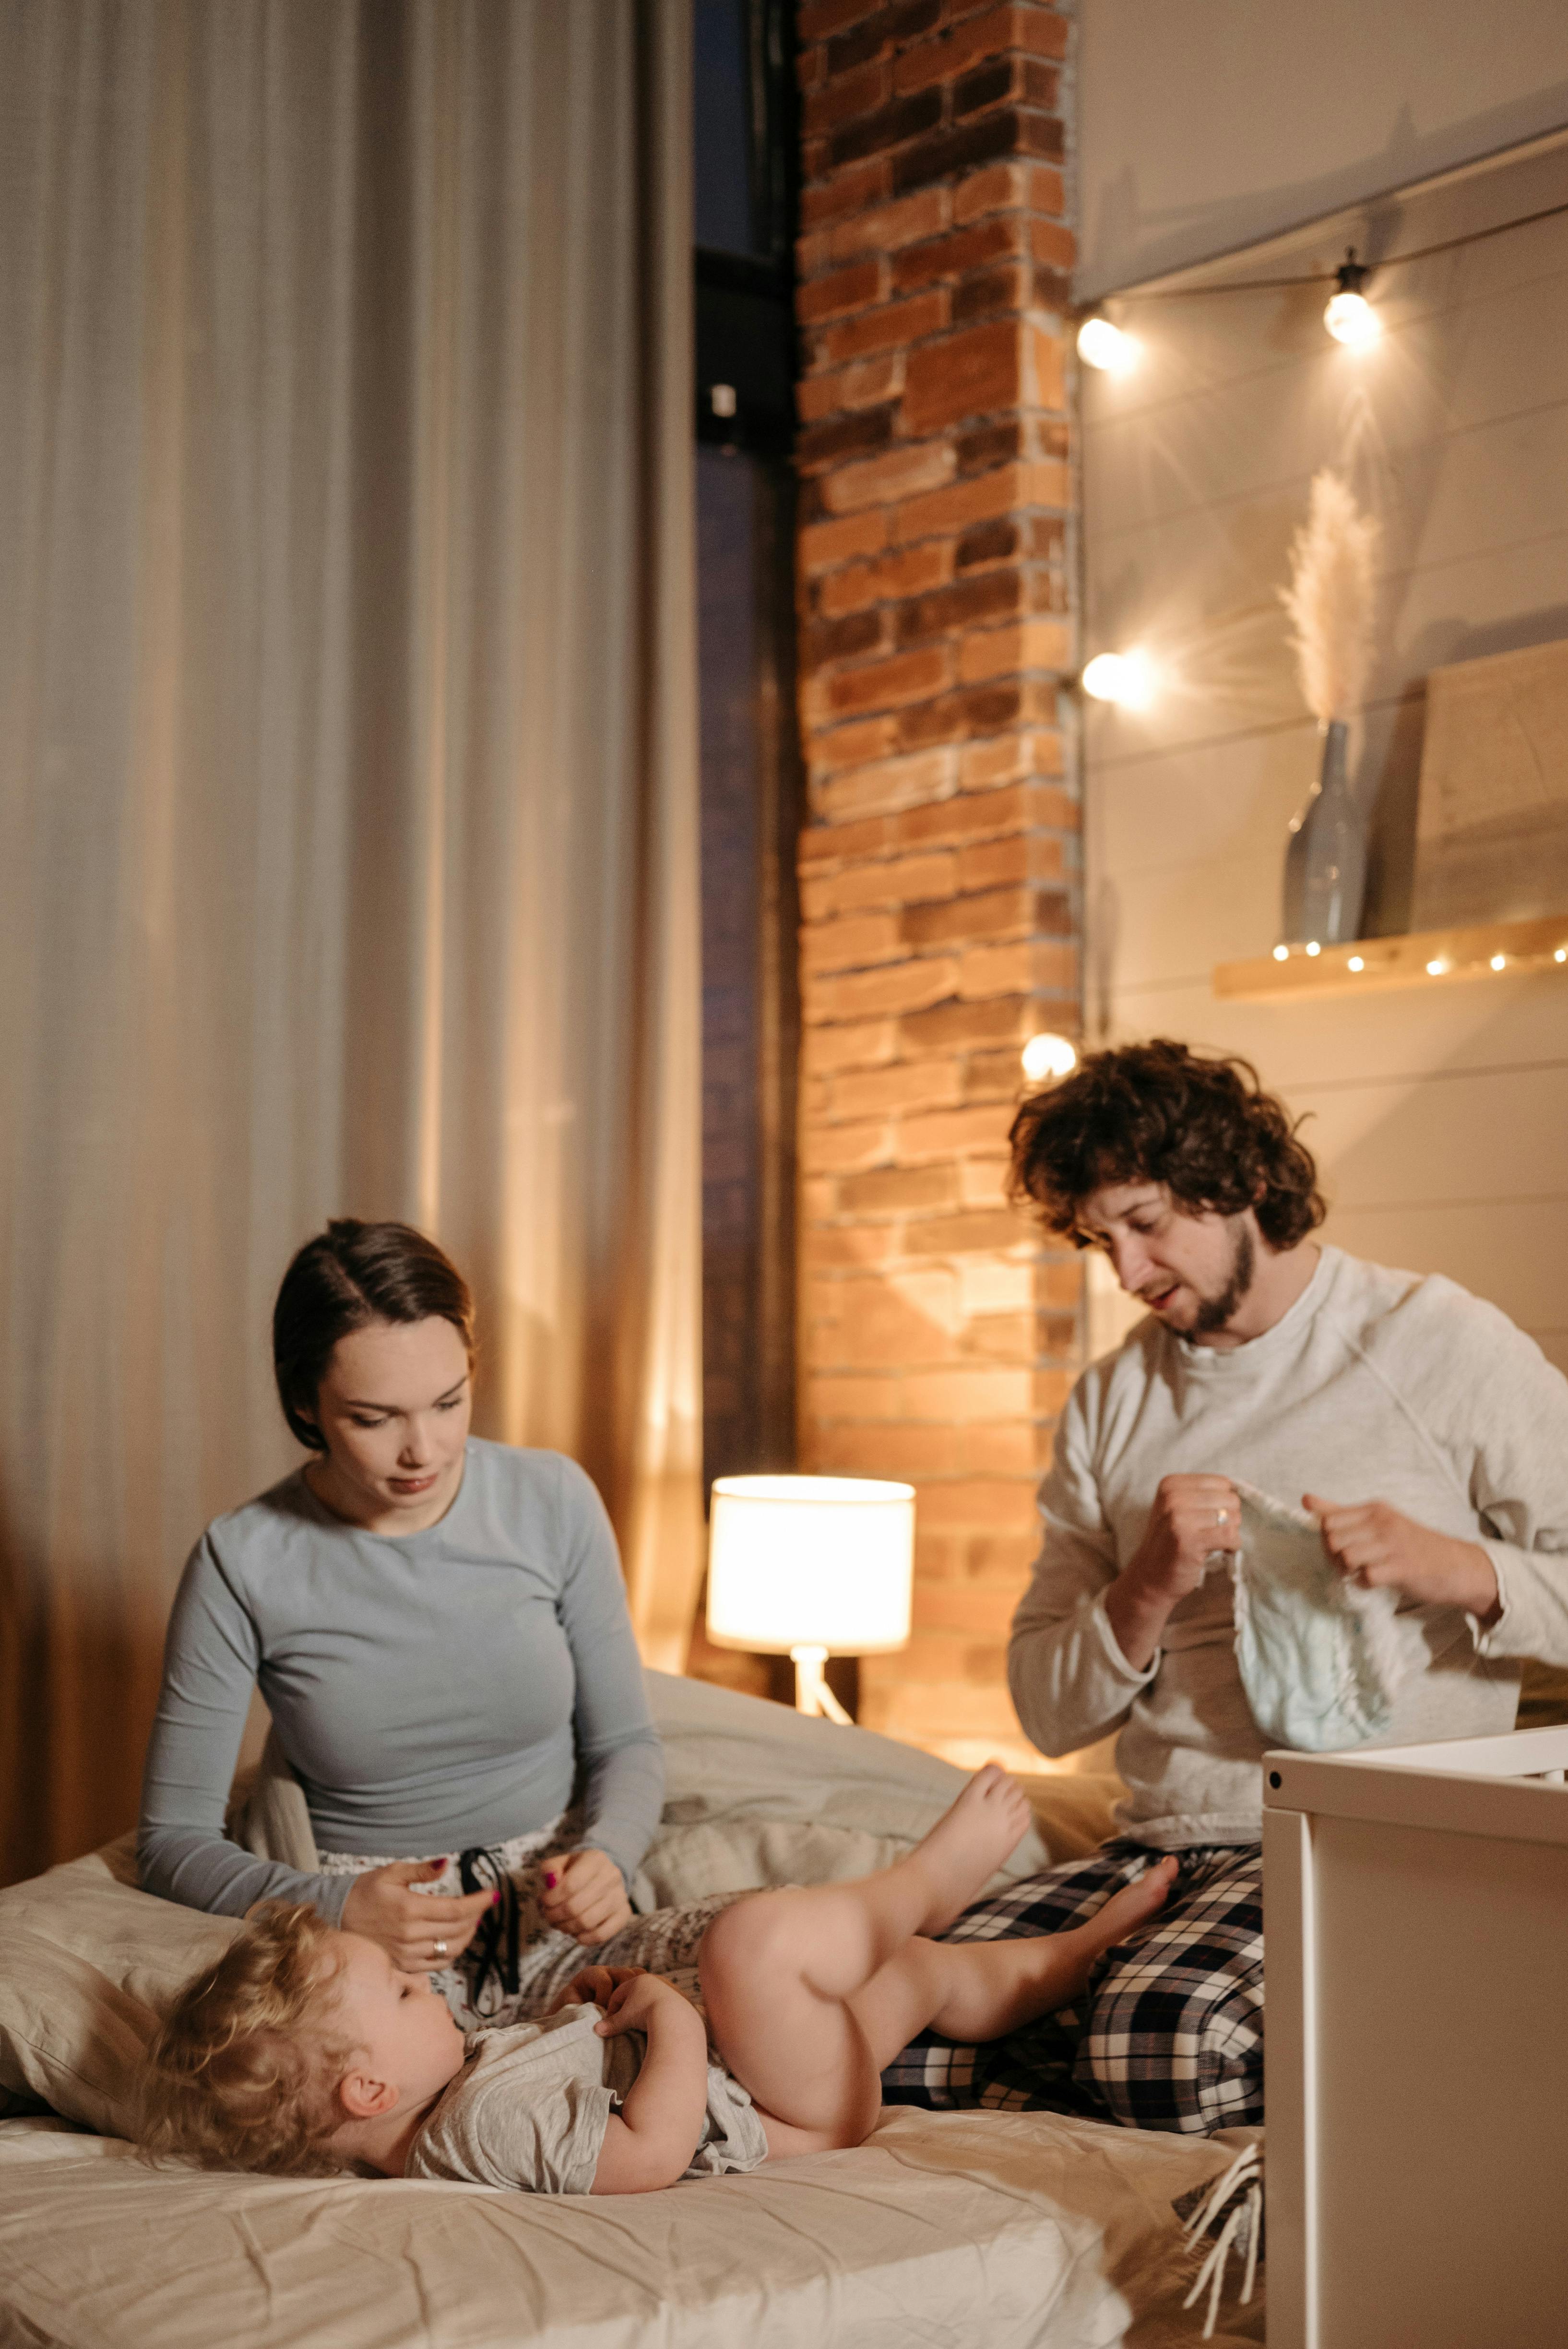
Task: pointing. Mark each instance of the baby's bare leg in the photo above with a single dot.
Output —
(974, 1991)
(780, 1971)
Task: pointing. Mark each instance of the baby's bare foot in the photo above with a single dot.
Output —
(1131, 1907)
(968, 1845)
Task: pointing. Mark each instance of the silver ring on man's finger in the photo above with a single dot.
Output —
(440, 1948)
(1221, 1517)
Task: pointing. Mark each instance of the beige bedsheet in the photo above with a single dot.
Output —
(952, 2231)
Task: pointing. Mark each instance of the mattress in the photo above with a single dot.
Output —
(952, 2231)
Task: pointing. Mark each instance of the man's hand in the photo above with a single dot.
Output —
(594, 1985)
(420, 1931)
(583, 1895)
(1374, 1545)
(1192, 1518)
(633, 2003)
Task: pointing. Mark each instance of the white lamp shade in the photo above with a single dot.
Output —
(811, 1561)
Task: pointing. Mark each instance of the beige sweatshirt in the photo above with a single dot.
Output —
(1376, 1385)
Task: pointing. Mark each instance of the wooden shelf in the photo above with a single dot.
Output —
(1419, 959)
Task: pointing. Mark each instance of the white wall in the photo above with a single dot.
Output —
(1205, 124)
(1440, 1116)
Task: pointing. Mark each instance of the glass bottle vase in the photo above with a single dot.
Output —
(1326, 859)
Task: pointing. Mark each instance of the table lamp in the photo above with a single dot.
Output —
(810, 1567)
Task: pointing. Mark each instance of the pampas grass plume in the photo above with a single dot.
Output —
(1329, 599)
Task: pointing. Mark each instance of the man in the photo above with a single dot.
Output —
(1427, 1436)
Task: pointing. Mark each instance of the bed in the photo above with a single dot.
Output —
(953, 2230)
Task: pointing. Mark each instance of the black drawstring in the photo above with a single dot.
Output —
(496, 1946)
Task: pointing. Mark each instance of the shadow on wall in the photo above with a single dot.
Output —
(1172, 237)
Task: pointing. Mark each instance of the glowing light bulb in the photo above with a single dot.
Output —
(1312, 948)
(1048, 1056)
(1108, 348)
(1350, 318)
(1355, 963)
(1500, 962)
(1126, 678)
(1561, 955)
(1435, 968)
(1282, 954)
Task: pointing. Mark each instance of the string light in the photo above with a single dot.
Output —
(1435, 968)
(1312, 948)
(1350, 318)
(1108, 348)
(1126, 678)
(1355, 963)
(1048, 1056)
(1500, 962)
(1282, 954)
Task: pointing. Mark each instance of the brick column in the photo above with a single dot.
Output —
(939, 864)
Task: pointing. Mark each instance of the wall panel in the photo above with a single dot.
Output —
(1440, 1115)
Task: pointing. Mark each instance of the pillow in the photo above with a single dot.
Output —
(756, 1794)
(87, 1964)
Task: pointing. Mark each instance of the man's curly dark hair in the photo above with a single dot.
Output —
(1159, 1112)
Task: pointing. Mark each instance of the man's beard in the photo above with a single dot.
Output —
(1213, 1312)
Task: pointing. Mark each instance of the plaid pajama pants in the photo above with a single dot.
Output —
(1170, 2033)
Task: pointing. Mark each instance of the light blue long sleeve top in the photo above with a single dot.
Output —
(431, 1690)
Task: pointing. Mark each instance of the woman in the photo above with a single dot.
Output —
(439, 1627)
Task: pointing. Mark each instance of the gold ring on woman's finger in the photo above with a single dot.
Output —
(440, 1948)
(1221, 1517)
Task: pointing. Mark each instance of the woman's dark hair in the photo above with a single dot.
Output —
(348, 1275)
(1199, 1122)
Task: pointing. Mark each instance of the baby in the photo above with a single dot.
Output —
(304, 2050)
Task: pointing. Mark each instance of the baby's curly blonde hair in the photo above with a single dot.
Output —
(245, 2073)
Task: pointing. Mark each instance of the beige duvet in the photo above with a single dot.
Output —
(945, 2231)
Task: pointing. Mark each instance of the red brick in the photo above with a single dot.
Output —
(820, 841)
(883, 29)
(898, 1190)
(892, 881)
(816, 19)
(943, 154)
(890, 226)
(981, 1126)
(869, 383)
(854, 745)
(840, 640)
(883, 480)
(957, 921)
(867, 1044)
(896, 576)
(970, 817)
(954, 508)
(906, 1085)
(912, 117)
(1001, 652)
(845, 192)
(842, 98)
(1009, 288)
(848, 1243)
(965, 1234)
(955, 1027)
(849, 945)
(964, 375)
(952, 254)
(948, 609)
(899, 986)
(1025, 856)
(845, 290)
(839, 437)
(887, 684)
(827, 543)
(897, 323)
(1005, 1506)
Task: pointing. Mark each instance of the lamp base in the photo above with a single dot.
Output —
(812, 1693)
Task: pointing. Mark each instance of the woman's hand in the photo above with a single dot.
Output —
(1376, 1545)
(583, 1895)
(420, 1931)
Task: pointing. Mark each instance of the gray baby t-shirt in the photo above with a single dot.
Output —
(529, 2109)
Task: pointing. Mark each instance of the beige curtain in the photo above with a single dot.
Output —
(347, 772)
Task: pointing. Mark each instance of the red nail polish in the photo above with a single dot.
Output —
(495, 1900)
(550, 1880)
